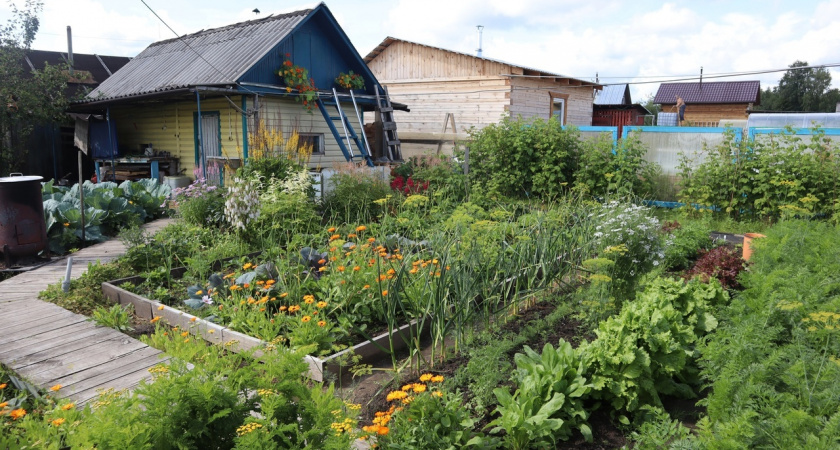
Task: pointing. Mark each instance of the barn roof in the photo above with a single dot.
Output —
(710, 92)
(390, 40)
(217, 56)
(616, 94)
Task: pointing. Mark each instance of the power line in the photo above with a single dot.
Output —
(95, 37)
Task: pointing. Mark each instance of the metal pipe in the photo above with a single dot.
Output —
(65, 285)
(70, 48)
(201, 155)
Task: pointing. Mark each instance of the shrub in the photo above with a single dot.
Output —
(683, 243)
(352, 194)
(605, 168)
(201, 204)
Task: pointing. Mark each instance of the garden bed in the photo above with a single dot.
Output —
(319, 367)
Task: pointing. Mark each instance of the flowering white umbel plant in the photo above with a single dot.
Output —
(243, 203)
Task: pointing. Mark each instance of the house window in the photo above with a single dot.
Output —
(316, 140)
(559, 106)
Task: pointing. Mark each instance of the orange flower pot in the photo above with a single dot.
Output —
(748, 237)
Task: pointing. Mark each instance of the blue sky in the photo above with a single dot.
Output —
(622, 41)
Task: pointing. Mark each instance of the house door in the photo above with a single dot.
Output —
(210, 143)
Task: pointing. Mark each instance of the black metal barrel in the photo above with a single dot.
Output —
(23, 230)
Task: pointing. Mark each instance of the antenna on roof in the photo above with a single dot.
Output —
(701, 78)
(256, 11)
(480, 30)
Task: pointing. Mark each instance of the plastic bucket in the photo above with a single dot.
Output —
(748, 238)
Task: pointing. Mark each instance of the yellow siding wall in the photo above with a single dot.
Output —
(170, 127)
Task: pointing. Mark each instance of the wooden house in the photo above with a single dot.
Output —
(49, 148)
(450, 92)
(710, 103)
(201, 101)
(613, 107)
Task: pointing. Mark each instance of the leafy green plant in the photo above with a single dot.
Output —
(608, 169)
(682, 243)
(200, 204)
(650, 347)
(548, 402)
(116, 317)
(350, 80)
(350, 196)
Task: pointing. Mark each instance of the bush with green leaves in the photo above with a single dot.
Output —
(116, 317)
(782, 176)
(773, 365)
(608, 169)
(548, 402)
(682, 243)
(519, 158)
(201, 204)
(351, 195)
(650, 347)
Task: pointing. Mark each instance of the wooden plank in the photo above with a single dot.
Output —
(44, 350)
(49, 323)
(95, 377)
(127, 382)
(35, 343)
(47, 371)
(11, 308)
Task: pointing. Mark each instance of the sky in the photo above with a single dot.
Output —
(640, 41)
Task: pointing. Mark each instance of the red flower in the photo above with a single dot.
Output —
(288, 63)
(288, 55)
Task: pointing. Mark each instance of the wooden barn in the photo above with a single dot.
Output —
(613, 107)
(205, 102)
(450, 92)
(710, 103)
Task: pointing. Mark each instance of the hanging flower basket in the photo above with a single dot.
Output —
(297, 78)
(350, 81)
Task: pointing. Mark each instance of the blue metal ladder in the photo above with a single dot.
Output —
(345, 142)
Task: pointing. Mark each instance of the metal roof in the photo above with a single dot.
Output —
(218, 56)
(616, 94)
(390, 40)
(710, 92)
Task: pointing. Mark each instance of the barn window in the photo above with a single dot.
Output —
(559, 106)
(316, 140)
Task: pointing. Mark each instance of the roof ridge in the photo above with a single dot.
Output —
(269, 18)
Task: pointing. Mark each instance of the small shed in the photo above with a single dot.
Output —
(450, 92)
(206, 101)
(613, 107)
(709, 103)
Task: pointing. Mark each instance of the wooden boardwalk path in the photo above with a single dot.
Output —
(48, 345)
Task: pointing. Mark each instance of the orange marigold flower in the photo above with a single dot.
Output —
(155, 319)
(3, 386)
(335, 236)
(351, 236)
(305, 319)
(308, 299)
(57, 422)
(321, 304)
(221, 307)
(262, 309)
(192, 319)
(437, 379)
(426, 377)
(382, 431)
(331, 230)
(341, 268)
(160, 308)
(396, 395)
(371, 240)
(418, 388)
(356, 268)
(68, 406)
(283, 308)
(17, 413)
(322, 261)
(385, 292)
(283, 295)
(322, 323)
(260, 282)
(322, 269)
(367, 286)
(246, 285)
(437, 393)
(185, 334)
(247, 266)
(361, 228)
(4, 404)
(391, 271)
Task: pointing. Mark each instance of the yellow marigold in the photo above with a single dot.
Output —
(322, 269)
(283, 308)
(437, 393)
(361, 228)
(260, 282)
(17, 413)
(185, 334)
(58, 421)
(321, 304)
(426, 377)
(396, 395)
(418, 388)
(160, 308)
(371, 240)
(305, 319)
(155, 319)
(308, 299)
(322, 323)
(251, 300)
(437, 379)
(283, 295)
(391, 272)
(352, 236)
(247, 266)
(413, 271)
(199, 292)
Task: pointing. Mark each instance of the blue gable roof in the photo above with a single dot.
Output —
(318, 44)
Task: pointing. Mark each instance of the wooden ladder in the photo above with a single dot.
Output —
(389, 126)
(348, 136)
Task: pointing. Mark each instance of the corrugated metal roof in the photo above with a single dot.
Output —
(217, 56)
(710, 92)
(616, 94)
(390, 40)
